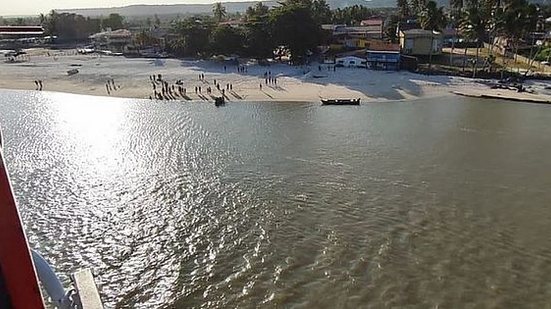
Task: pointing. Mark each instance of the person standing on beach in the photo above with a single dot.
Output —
(40, 83)
(224, 69)
(107, 88)
(36, 84)
(260, 86)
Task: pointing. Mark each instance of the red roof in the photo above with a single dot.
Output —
(375, 45)
(22, 30)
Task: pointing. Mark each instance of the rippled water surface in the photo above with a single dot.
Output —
(441, 203)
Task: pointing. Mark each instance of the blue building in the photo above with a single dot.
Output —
(388, 60)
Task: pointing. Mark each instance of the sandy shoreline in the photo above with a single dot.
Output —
(297, 84)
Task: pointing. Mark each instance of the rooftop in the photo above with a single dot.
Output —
(21, 30)
(372, 22)
(381, 46)
(419, 32)
(120, 33)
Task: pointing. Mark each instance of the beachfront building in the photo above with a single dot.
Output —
(351, 62)
(383, 56)
(419, 42)
(353, 37)
(114, 40)
(374, 27)
(20, 36)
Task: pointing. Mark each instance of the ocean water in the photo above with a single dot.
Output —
(440, 203)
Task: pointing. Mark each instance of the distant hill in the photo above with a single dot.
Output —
(168, 9)
(185, 9)
(231, 7)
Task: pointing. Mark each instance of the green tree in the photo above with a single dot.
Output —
(42, 19)
(51, 21)
(294, 27)
(321, 12)
(258, 32)
(113, 21)
(352, 15)
(432, 17)
(403, 9)
(390, 29)
(70, 27)
(259, 10)
(219, 11)
(227, 40)
(192, 37)
(474, 26)
(417, 6)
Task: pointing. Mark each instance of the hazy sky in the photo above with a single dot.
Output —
(31, 7)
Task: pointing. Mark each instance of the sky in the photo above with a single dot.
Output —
(34, 7)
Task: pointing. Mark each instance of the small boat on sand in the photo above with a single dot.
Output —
(72, 72)
(340, 102)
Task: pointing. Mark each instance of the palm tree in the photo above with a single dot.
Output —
(403, 9)
(42, 19)
(417, 6)
(219, 11)
(474, 25)
(432, 18)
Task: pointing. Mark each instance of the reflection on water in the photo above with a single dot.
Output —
(439, 203)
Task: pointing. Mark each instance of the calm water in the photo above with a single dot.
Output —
(440, 203)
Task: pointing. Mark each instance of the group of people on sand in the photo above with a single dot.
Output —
(38, 84)
(167, 91)
(269, 79)
(162, 90)
(110, 86)
(217, 84)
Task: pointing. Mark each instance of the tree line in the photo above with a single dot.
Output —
(75, 27)
(295, 24)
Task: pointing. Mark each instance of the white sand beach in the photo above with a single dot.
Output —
(131, 76)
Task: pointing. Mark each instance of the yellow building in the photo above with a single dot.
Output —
(419, 42)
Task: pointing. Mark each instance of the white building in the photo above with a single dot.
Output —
(352, 61)
(112, 40)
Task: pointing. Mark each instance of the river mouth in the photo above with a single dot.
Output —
(438, 202)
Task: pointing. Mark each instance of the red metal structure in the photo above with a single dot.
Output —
(21, 30)
(18, 280)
